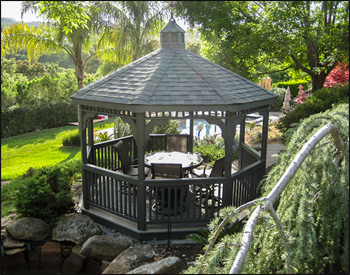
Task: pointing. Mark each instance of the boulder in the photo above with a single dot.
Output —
(170, 265)
(76, 228)
(104, 247)
(74, 262)
(30, 229)
(15, 264)
(9, 242)
(14, 251)
(91, 266)
(129, 258)
(51, 255)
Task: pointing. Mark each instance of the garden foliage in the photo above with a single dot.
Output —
(319, 101)
(293, 85)
(313, 209)
(30, 118)
(72, 139)
(46, 193)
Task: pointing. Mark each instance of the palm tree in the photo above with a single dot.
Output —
(71, 28)
(134, 33)
(125, 31)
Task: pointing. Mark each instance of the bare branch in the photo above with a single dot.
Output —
(278, 189)
(283, 235)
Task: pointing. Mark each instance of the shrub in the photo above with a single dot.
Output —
(72, 139)
(102, 136)
(281, 93)
(210, 153)
(320, 101)
(46, 193)
(43, 115)
(293, 85)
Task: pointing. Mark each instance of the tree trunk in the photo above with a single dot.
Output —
(79, 71)
(318, 81)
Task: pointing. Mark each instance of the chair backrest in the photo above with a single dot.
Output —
(176, 143)
(218, 168)
(164, 170)
(123, 155)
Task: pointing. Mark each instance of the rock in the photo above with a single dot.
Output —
(30, 229)
(9, 242)
(91, 266)
(74, 262)
(51, 256)
(104, 247)
(33, 260)
(15, 264)
(130, 257)
(170, 265)
(14, 251)
(76, 228)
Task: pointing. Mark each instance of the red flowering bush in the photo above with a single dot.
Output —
(301, 96)
(339, 75)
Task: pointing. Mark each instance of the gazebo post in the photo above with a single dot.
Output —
(141, 198)
(265, 128)
(191, 132)
(241, 141)
(230, 134)
(82, 129)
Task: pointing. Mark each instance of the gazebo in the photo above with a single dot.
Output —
(169, 83)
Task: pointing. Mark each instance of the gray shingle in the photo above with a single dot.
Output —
(173, 77)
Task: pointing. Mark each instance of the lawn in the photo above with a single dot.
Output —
(38, 149)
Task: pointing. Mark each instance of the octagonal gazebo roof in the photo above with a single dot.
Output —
(174, 77)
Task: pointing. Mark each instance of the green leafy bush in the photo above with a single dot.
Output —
(210, 153)
(43, 115)
(320, 101)
(46, 193)
(72, 139)
(281, 93)
(293, 85)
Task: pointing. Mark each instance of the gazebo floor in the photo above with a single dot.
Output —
(158, 224)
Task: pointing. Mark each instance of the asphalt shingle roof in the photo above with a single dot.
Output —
(169, 77)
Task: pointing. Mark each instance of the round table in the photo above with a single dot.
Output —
(188, 160)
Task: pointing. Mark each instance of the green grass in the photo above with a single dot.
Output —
(38, 149)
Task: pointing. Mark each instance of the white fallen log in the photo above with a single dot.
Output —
(280, 186)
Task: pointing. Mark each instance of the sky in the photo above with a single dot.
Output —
(12, 9)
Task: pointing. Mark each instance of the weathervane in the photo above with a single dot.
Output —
(172, 5)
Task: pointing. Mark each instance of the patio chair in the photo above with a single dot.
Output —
(176, 143)
(205, 195)
(127, 167)
(163, 203)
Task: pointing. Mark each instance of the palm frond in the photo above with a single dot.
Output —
(36, 41)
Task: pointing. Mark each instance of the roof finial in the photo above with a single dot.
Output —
(172, 5)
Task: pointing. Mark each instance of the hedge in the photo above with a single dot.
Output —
(44, 115)
(293, 85)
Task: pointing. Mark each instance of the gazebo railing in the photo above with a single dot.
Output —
(194, 201)
(183, 200)
(246, 182)
(249, 155)
(111, 191)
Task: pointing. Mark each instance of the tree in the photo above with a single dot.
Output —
(309, 36)
(339, 75)
(125, 31)
(71, 28)
(134, 34)
(309, 188)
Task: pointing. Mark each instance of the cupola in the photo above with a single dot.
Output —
(172, 36)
